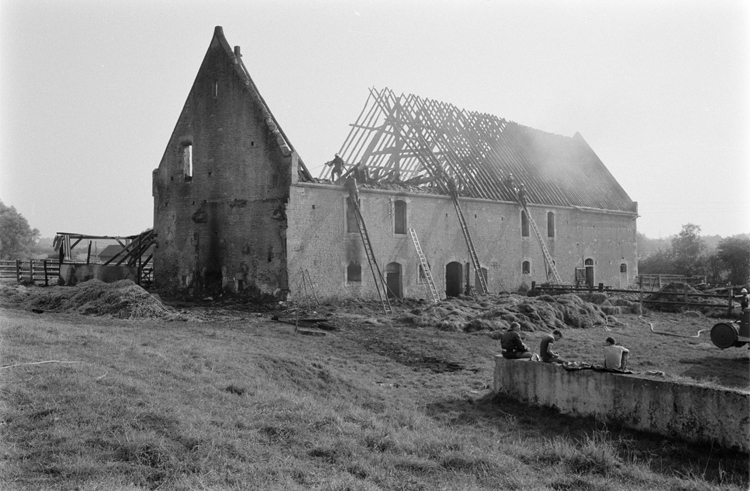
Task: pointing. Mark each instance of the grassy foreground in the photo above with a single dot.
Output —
(250, 404)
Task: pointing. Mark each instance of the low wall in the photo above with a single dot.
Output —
(72, 274)
(687, 412)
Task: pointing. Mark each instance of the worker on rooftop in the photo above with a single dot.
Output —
(522, 194)
(338, 166)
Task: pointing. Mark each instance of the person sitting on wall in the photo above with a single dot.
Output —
(513, 346)
(615, 357)
(545, 347)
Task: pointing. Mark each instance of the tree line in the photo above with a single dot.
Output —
(688, 254)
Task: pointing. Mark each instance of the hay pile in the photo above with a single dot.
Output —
(121, 300)
(496, 312)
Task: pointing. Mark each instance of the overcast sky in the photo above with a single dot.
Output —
(90, 91)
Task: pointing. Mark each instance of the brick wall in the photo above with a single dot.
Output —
(318, 241)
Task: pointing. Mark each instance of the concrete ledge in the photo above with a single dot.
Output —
(683, 411)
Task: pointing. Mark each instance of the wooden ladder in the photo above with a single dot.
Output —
(470, 245)
(425, 266)
(545, 251)
(380, 284)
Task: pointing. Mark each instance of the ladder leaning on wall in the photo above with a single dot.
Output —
(545, 251)
(380, 283)
(425, 266)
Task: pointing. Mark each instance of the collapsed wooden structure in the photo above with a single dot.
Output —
(137, 251)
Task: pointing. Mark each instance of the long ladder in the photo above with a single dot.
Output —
(470, 244)
(425, 266)
(545, 251)
(380, 284)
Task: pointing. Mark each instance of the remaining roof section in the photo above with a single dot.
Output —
(410, 140)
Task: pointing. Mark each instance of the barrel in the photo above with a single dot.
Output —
(724, 335)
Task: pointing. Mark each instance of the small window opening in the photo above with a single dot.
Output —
(550, 224)
(354, 273)
(524, 224)
(623, 268)
(187, 161)
(216, 89)
(526, 267)
(252, 143)
(399, 209)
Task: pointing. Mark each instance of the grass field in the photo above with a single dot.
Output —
(248, 403)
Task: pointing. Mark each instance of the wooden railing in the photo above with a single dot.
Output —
(37, 271)
(677, 298)
(47, 271)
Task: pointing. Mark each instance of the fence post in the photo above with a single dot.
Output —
(684, 297)
(46, 282)
(640, 290)
(18, 271)
(730, 306)
(31, 271)
(601, 287)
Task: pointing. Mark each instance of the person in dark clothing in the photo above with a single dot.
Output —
(338, 167)
(513, 346)
(360, 173)
(545, 347)
(522, 194)
(351, 185)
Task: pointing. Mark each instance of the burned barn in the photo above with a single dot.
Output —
(423, 200)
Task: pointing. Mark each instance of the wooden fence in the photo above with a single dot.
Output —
(47, 271)
(37, 271)
(681, 299)
(652, 282)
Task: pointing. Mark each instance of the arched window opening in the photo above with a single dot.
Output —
(524, 224)
(526, 267)
(623, 268)
(399, 212)
(354, 273)
(187, 161)
(550, 224)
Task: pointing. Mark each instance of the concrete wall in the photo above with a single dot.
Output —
(318, 241)
(687, 412)
(225, 227)
(72, 274)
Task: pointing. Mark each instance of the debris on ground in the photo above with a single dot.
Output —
(120, 300)
(497, 312)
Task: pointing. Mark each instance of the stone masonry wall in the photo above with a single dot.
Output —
(226, 225)
(319, 243)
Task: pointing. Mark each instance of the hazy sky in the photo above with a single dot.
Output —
(90, 91)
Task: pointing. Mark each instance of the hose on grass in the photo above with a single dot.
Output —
(651, 326)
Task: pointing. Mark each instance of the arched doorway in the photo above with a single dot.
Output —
(393, 280)
(589, 264)
(454, 274)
